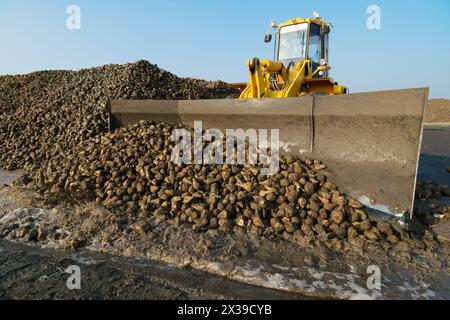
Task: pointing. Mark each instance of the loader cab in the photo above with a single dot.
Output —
(301, 39)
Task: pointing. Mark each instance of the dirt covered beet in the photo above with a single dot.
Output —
(47, 113)
(131, 170)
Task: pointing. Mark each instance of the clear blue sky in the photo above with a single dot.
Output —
(213, 39)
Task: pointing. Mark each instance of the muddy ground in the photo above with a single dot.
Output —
(35, 273)
(412, 269)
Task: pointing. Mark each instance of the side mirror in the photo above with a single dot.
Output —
(325, 30)
(268, 38)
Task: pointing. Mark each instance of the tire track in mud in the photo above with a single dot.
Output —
(42, 276)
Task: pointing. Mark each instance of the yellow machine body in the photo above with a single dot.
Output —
(300, 65)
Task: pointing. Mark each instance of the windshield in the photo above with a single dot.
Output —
(293, 43)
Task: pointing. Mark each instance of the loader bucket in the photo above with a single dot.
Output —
(369, 141)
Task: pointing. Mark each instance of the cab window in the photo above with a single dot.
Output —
(292, 43)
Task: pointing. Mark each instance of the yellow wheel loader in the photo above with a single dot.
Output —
(300, 66)
(369, 141)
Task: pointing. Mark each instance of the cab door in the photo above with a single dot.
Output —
(315, 50)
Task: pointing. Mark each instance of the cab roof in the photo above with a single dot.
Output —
(293, 21)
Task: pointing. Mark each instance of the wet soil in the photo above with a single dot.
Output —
(412, 269)
(34, 273)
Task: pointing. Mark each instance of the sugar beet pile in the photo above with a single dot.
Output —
(53, 124)
(46, 113)
(130, 170)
